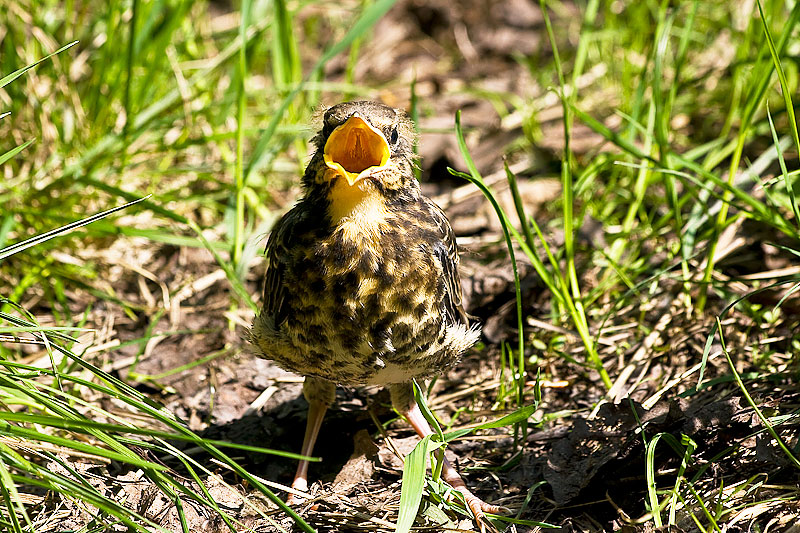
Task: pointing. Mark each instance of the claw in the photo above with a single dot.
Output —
(296, 500)
(302, 496)
(479, 509)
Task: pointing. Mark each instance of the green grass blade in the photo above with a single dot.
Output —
(419, 397)
(33, 435)
(241, 101)
(285, 60)
(650, 477)
(84, 426)
(784, 172)
(753, 405)
(130, 57)
(690, 446)
(519, 205)
(33, 241)
(510, 419)
(14, 151)
(413, 483)
(11, 498)
(368, 18)
(787, 99)
(5, 80)
(476, 178)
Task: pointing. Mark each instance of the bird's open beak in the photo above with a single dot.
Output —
(355, 147)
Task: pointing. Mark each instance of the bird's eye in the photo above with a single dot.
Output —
(395, 136)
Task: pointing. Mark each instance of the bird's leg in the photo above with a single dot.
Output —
(403, 401)
(319, 394)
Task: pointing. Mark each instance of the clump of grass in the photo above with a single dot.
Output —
(45, 418)
(414, 469)
(688, 138)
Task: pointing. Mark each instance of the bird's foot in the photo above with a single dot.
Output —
(301, 496)
(479, 509)
(294, 500)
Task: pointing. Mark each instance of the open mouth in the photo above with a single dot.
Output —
(355, 147)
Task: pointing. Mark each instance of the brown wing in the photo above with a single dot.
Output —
(447, 251)
(277, 251)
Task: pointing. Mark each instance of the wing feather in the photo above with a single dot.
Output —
(447, 252)
(276, 251)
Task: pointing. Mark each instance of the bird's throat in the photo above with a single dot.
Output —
(359, 209)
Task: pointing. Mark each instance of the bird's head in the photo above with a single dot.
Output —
(365, 146)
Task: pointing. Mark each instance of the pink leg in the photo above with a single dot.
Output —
(415, 417)
(319, 394)
(316, 412)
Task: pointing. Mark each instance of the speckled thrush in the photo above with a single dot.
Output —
(362, 283)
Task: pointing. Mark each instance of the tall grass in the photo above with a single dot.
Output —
(683, 163)
(46, 418)
(660, 182)
(145, 91)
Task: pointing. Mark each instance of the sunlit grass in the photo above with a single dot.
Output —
(664, 198)
(55, 421)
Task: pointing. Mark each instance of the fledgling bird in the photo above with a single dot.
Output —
(362, 284)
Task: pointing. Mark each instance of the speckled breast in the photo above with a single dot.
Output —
(362, 306)
(365, 312)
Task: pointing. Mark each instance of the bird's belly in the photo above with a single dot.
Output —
(365, 331)
(358, 318)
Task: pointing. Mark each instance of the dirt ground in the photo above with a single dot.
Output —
(591, 460)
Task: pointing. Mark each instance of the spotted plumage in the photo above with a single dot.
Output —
(368, 296)
(362, 281)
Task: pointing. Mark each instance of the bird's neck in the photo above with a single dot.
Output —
(360, 210)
